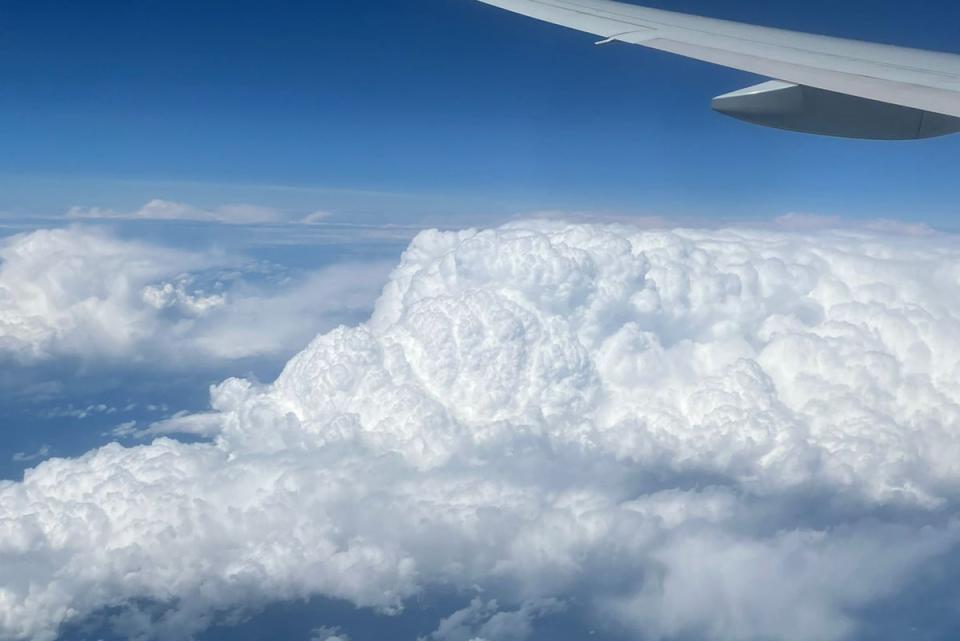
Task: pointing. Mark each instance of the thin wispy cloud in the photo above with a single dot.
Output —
(205, 424)
(31, 457)
(234, 214)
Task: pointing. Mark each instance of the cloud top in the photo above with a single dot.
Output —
(730, 435)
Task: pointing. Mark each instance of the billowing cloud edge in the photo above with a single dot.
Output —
(732, 434)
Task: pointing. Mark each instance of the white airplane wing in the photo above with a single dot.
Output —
(826, 85)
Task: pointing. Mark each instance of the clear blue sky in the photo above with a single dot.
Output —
(475, 110)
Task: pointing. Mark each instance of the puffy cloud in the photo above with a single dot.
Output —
(483, 621)
(68, 290)
(723, 435)
(85, 293)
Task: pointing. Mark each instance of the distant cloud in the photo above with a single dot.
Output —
(804, 222)
(316, 217)
(127, 429)
(201, 424)
(81, 412)
(328, 634)
(27, 457)
(233, 214)
(484, 621)
(735, 435)
(85, 293)
(817, 222)
(168, 210)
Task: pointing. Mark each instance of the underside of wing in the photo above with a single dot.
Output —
(831, 74)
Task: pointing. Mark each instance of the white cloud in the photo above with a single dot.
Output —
(72, 290)
(83, 412)
(27, 457)
(157, 209)
(812, 222)
(316, 217)
(722, 435)
(230, 214)
(127, 429)
(198, 424)
(84, 293)
(260, 320)
(484, 621)
(328, 634)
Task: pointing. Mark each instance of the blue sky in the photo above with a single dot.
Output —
(462, 109)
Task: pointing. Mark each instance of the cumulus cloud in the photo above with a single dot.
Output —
(484, 621)
(85, 293)
(724, 435)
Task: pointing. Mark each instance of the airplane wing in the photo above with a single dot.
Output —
(825, 85)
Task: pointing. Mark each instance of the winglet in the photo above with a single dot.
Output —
(607, 41)
(644, 35)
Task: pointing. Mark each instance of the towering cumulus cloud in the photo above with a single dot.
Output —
(723, 435)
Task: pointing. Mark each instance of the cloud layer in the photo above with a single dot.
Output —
(724, 435)
(235, 214)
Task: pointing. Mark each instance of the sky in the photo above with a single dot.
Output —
(460, 108)
(345, 321)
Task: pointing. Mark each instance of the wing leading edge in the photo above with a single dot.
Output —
(827, 71)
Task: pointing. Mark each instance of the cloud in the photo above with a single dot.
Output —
(198, 424)
(723, 435)
(484, 621)
(232, 214)
(316, 217)
(812, 222)
(88, 294)
(27, 457)
(83, 412)
(328, 634)
(168, 210)
(76, 290)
